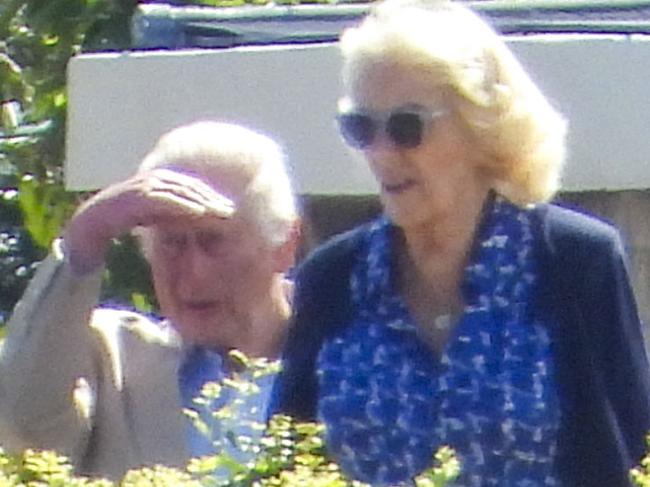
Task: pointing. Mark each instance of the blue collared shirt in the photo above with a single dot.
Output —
(233, 417)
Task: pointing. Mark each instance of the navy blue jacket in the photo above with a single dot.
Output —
(601, 361)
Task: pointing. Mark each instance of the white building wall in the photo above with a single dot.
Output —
(120, 103)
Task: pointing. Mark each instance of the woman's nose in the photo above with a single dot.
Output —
(382, 152)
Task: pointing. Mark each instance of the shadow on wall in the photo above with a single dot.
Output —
(629, 210)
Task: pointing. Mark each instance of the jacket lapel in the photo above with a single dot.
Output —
(153, 404)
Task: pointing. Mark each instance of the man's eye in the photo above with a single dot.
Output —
(209, 241)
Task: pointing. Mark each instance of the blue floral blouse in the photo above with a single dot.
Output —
(389, 402)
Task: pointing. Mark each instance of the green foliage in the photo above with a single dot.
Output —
(640, 475)
(37, 38)
(18, 253)
(293, 455)
(39, 203)
(158, 476)
(128, 278)
(235, 414)
(289, 454)
(41, 469)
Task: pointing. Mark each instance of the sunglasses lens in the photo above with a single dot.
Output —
(357, 130)
(405, 129)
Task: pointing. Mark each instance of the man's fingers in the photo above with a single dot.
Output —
(187, 199)
(180, 204)
(189, 192)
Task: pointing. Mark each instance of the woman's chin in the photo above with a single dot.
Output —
(402, 210)
(401, 217)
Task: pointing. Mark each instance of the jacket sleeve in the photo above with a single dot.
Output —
(620, 352)
(602, 363)
(321, 306)
(48, 364)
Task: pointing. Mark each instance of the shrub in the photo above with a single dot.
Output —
(289, 454)
(293, 455)
(640, 475)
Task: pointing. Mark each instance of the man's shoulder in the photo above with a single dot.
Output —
(110, 322)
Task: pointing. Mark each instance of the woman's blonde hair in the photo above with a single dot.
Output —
(512, 122)
(206, 146)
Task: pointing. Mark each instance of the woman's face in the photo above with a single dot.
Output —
(424, 184)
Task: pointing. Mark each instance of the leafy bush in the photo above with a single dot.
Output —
(641, 474)
(37, 38)
(293, 455)
(18, 253)
(289, 454)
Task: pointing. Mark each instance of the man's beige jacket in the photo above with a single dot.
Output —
(99, 386)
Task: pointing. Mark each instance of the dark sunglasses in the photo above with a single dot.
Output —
(404, 127)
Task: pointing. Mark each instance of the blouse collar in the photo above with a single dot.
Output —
(499, 267)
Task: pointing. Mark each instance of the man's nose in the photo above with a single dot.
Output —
(197, 265)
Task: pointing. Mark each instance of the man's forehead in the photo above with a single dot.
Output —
(230, 179)
(201, 224)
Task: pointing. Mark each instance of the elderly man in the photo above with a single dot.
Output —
(215, 213)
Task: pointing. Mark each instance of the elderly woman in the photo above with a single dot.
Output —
(472, 314)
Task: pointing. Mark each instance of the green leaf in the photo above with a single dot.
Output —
(141, 302)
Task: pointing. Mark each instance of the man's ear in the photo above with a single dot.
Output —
(285, 253)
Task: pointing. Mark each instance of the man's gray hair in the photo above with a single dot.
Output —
(229, 149)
